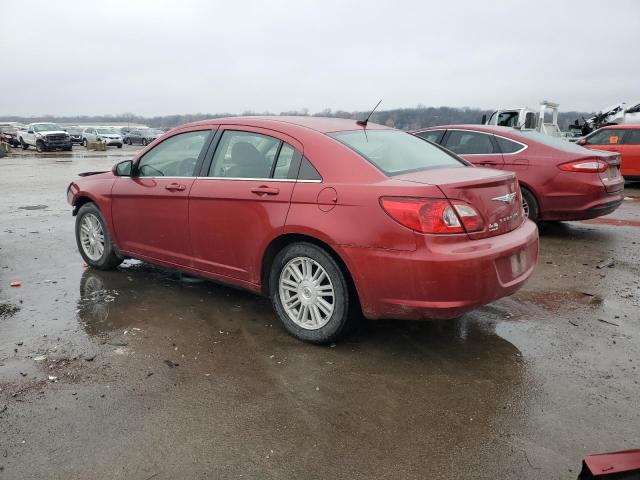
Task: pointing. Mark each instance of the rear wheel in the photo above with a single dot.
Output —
(310, 293)
(144, 142)
(529, 205)
(93, 239)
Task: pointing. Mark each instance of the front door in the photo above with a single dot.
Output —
(150, 209)
(476, 147)
(240, 201)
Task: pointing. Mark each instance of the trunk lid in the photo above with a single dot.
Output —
(611, 177)
(494, 194)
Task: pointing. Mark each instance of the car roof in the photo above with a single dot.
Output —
(626, 126)
(319, 124)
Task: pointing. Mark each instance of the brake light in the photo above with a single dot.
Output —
(433, 215)
(584, 166)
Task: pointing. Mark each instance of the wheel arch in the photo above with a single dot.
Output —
(280, 242)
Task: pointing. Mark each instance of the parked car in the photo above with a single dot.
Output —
(104, 134)
(559, 179)
(142, 136)
(9, 133)
(621, 139)
(326, 217)
(75, 133)
(44, 136)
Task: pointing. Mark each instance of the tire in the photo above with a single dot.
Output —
(317, 323)
(119, 145)
(108, 258)
(23, 144)
(40, 146)
(85, 143)
(144, 142)
(530, 205)
(128, 142)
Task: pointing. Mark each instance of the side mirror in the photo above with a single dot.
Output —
(123, 169)
(582, 141)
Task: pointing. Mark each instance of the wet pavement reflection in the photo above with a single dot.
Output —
(142, 372)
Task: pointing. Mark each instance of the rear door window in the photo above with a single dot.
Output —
(244, 155)
(287, 163)
(464, 142)
(632, 137)
(508, 146)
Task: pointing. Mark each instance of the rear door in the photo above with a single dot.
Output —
(150, 209)
(631, 153)
(240, 201)
(478, 148)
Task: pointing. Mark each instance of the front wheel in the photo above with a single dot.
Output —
(40, 146)
(144, 142)
(84, 142)
(530, 205)
(310, 293)
(93, 239)
(23, 144)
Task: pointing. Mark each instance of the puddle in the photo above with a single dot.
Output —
(33, 207)
(559, 299)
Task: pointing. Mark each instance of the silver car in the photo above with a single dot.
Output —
(104, 134)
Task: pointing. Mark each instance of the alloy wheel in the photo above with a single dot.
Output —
(307, 293)
(92, 237)
(525, 207)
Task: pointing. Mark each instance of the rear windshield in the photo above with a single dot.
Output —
(396, 152)
(555, 142)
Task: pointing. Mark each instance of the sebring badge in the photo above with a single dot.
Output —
(508, 198)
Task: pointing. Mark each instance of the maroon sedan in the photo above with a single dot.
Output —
(328, 218)
(559, 179)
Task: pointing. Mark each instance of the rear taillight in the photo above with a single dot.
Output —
(584, 166)
(433, 215)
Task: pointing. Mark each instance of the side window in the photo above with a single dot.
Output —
(308, 171)
(244, 155)
(469, 143)
(607, 136)
(530, 120)
(433, 136)
(507, 146)
(175, 157)
(632, 137)
(288, 161)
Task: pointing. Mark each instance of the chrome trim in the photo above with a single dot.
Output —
(524, 145)
(236, 179)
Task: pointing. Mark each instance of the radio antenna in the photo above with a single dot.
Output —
(364, 122)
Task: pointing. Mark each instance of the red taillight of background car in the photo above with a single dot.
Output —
(584, 166)
(433, 215)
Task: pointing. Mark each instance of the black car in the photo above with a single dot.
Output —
(75, 133)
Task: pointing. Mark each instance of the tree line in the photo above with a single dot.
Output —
(401, 118)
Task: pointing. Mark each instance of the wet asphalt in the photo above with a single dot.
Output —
(139, 373)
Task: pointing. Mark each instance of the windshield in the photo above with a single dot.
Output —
(106, 131)
(47, 127)
(508, 119)
(74, 130)
(396, 152)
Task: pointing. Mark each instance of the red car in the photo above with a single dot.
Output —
(559, 179)
(621, 139)
(327, 217)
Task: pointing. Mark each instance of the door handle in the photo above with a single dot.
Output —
(175, 187)
(264, 190)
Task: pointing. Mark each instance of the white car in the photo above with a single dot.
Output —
(104, 134)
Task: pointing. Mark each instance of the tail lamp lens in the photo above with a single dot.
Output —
(433, 215)
(584, 166)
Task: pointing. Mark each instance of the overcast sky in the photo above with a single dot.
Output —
(162, 57)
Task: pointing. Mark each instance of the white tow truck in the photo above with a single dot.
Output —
(44, 136)
(544, 120)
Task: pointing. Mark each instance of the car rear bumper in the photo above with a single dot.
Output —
(586, 210)
(441, 279)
